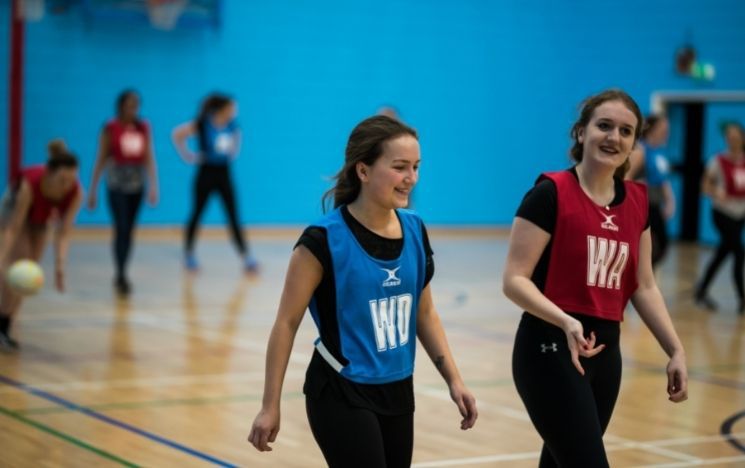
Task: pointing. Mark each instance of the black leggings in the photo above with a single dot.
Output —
(658, 229)
(124, 208)
(358, 437)
(570, 412)
(730, 241)
(214, 178)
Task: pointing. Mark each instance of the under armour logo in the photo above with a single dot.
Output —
(392, 279)
(608, 223)
(552, 347)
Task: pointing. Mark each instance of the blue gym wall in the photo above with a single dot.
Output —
(492, 88)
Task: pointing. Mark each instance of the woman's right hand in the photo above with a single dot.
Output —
(264, 429)
(720, 195)
(578, 344)
(91, 203)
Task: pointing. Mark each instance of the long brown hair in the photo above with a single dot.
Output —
(365, 145)
(588, 107)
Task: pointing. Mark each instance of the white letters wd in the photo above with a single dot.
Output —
(604, 255)
(387, 315)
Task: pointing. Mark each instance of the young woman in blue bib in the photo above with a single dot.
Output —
(363, 271)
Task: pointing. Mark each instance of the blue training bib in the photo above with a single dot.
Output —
(376, 303)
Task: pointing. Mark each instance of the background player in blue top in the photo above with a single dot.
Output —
(364, 272)
(650, 165)
(218, 138)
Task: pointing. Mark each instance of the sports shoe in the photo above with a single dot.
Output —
(190, 262)
(7, 344)
(250, 265)
(122, 286)
(706, 302)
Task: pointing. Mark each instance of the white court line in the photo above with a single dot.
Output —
(700, 440)
(172, 381)
(155, 321)
(501, 409)
(158, 322)
(694, 461)
(710, 461)
(624, 444)
(656, 450)
(302, 358)
(477, 460)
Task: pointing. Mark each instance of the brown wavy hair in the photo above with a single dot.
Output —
(587, 108)
(365, 145)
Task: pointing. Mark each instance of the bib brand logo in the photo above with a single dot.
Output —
(392, 279)
(608, 223)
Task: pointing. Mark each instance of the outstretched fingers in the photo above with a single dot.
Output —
(580, 346)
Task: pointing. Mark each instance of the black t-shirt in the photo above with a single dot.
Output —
(391, 398)
(539, 206)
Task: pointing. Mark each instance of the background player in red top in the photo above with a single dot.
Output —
(125, 149)
(580, 248)
(40, 195)
(724, 183)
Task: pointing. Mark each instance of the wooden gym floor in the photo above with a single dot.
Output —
(173, 376)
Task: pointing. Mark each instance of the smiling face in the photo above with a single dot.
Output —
(388, 182)
(609, 136)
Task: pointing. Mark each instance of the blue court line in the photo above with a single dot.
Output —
(114, 422)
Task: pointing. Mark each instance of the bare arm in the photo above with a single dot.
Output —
(527, 243)
(179, 136)
(23, 199)
(101, 159)
(432, 335)
(62, 240)
(669, 203)
(650, 305)
(238, 142)
(152, 173)
(711, 188)
(303, 276)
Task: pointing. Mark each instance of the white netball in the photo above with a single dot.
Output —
(25, 277)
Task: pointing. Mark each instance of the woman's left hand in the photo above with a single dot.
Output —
(677, 379)
(152, 196)
(59, 279)
(466, 405)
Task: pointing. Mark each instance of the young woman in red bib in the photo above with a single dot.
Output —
(580, 248)
(41, 195)
(724, 183)
(125, 151)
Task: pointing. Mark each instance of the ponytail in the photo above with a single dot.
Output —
(59, 156)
